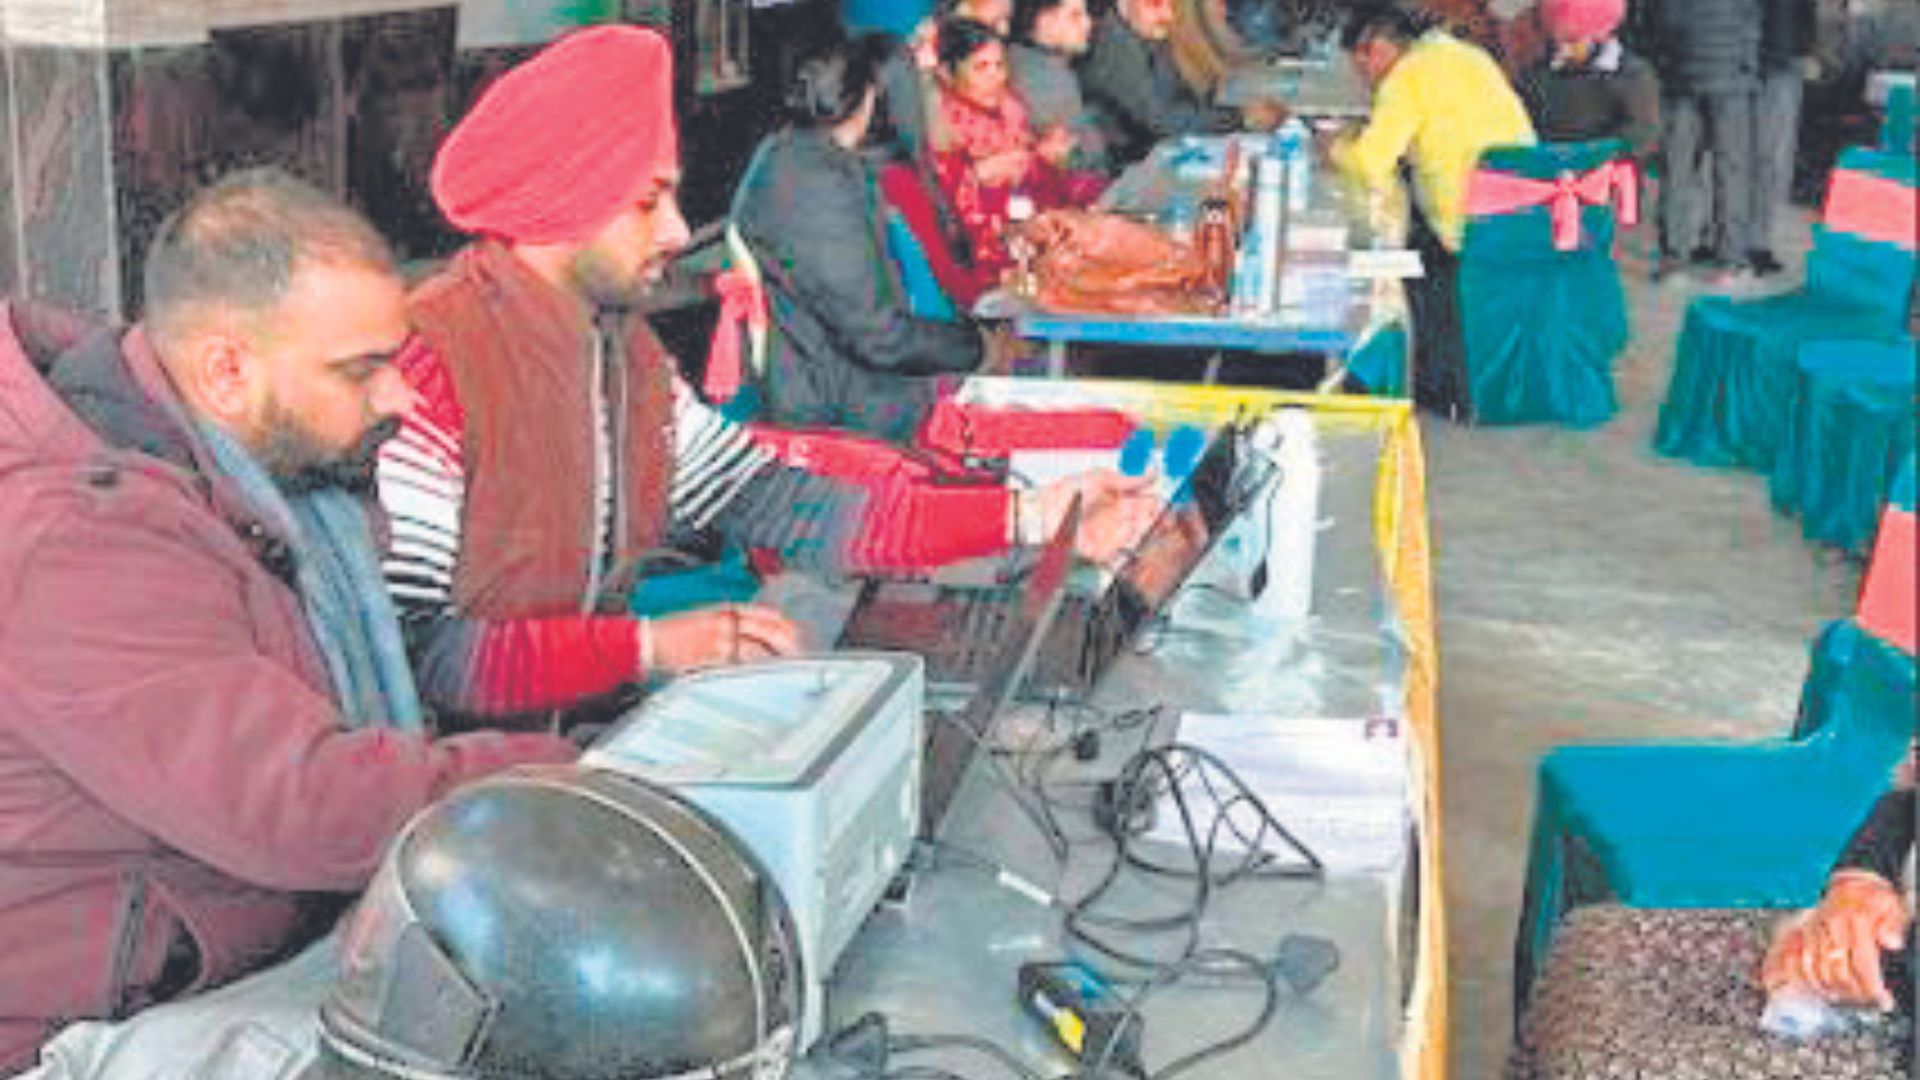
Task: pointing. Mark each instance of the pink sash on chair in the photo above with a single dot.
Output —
(1492, 192)
(1887, 599)
(1872, 207)
(743, 311)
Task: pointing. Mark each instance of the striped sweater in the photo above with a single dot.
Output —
(723, 481)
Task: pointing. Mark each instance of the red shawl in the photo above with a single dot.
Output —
(974, 134)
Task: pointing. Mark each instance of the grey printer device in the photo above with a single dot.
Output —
(812, 763)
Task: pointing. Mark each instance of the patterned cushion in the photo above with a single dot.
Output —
(1658, 994)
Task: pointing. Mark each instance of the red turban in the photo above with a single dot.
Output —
(561, 144)
(1582, 20)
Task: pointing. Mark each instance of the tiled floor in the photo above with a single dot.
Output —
(1589, 591)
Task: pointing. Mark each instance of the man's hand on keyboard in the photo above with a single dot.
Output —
(724, 634)
(1116, 511)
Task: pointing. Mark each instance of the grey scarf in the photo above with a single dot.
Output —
(337, 574)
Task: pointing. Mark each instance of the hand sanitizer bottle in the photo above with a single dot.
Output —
(1291, 146)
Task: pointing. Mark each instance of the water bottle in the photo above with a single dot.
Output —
(1324, 292)
(1181, 221)
(1022, 281)
(1257, 278)
(1290, 146)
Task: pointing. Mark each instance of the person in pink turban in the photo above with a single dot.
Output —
(1591, 87)
(1571, 22)
(561, 144)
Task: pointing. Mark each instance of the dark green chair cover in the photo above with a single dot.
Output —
(1851, 432)
(1379, 363)
(1904, 486)
(925, 298)
(1541, 326)
(745, 406)
(1897, 124)
(1719, 825)
(1735, 372)
(728, 580)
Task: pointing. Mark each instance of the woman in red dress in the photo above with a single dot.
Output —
(986, 150)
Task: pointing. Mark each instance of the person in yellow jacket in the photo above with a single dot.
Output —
(1438, 103)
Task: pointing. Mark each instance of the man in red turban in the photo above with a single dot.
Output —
(554, 450)
(561, 144)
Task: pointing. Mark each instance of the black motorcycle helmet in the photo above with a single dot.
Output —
(558, 923)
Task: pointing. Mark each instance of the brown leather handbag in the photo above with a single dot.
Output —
(1096, 263)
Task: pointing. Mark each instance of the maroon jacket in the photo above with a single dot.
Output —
(170, 758)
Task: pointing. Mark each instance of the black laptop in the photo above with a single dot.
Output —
(956, 738)
(1092, 631)
(964, 632)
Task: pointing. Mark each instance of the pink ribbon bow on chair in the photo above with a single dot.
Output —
(1503, 193)
(1875, 207)
(743, 311)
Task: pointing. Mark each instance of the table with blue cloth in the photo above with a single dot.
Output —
(1339, 296)
(1849, 436)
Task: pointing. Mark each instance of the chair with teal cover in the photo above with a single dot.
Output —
(1897, 122)
(925, 298)
(1378, 361)
(896, 17)
(1542, 312)
(1902, 492)
(1718, 825)
(1735, 369)
(1850, 434)
(729, 579)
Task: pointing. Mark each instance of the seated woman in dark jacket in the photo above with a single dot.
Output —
(847, 351)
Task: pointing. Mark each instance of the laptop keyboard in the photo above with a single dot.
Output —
(985, 620)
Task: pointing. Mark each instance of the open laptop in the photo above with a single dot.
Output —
(955, 738)
(962, 632)
(958, 730)
(1091, 632)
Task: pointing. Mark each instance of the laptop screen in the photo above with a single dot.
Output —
(1200, 510)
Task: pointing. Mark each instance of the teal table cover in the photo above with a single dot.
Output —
(1719, 824)
(1851, 432)
(1542, 327)
(1735, 374)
